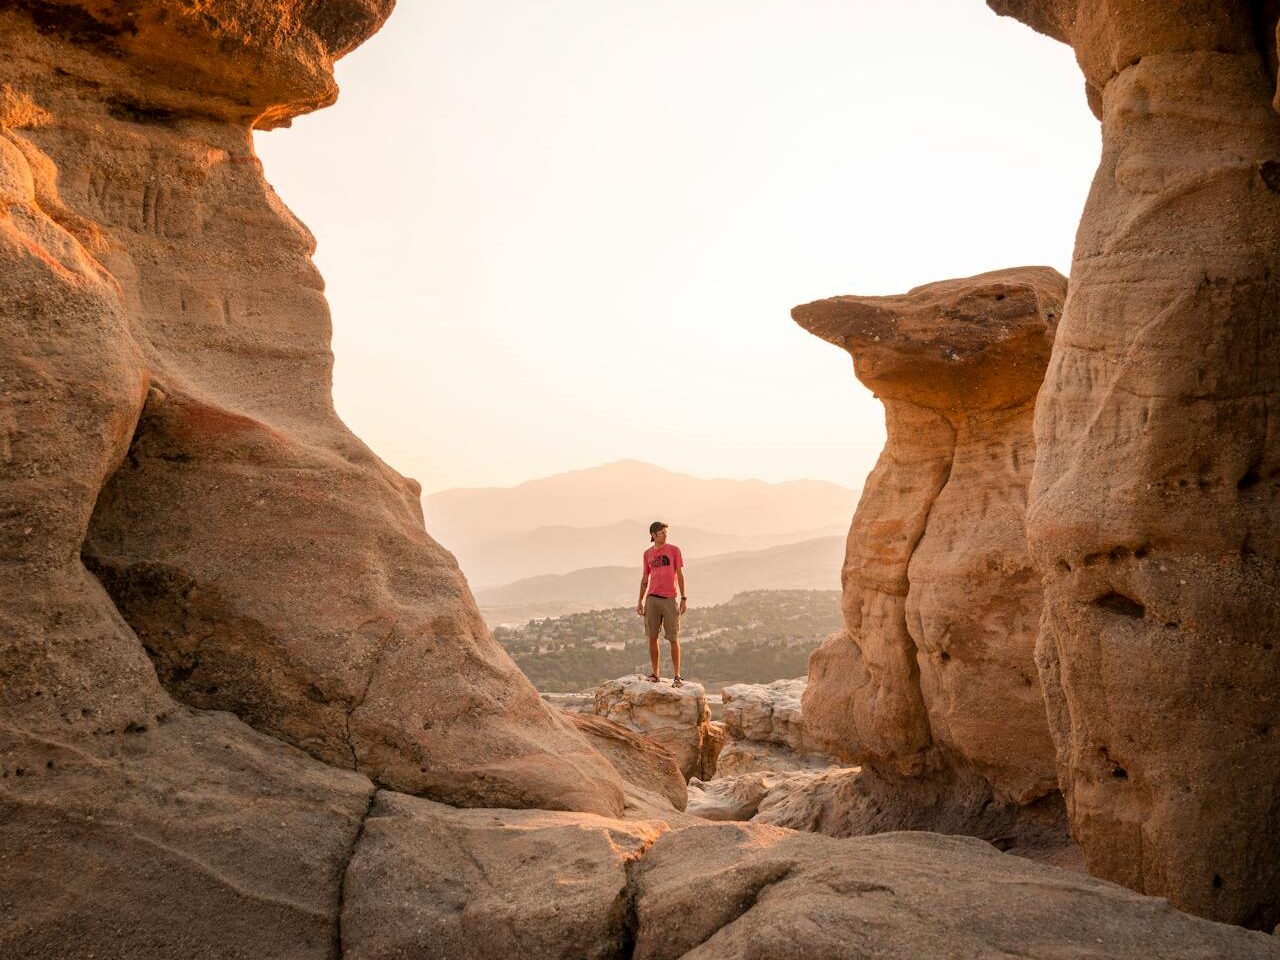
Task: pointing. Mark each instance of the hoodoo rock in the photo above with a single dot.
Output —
(166, 414)
(1154, 516)
(932, 683)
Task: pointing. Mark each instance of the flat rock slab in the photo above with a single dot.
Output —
(747, 892)
(431, 882)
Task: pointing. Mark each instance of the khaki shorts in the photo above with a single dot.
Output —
(664, 613)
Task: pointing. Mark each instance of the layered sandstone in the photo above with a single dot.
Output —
(648, 770)
(764, 730)
(932, 683)
(676, 717)
(166, 414)
(1153, 517)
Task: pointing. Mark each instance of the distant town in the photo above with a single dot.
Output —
(756, 637)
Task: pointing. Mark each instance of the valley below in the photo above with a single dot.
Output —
(755, 637)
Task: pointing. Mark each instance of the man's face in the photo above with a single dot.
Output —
(660, 537)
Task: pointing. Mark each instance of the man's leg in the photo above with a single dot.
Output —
(652, 623)
(672, 626)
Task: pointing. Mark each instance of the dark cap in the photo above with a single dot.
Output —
(655, 527)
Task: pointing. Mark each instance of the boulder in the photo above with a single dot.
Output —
(167, 416)
(676, 717)
(191, 837)
(1153, 514)
(713, 744)
(748, 892)
(933, 677)
(435, 883)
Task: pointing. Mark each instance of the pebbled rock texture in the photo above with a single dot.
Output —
(933, 680)
(166, 414)
(194, 837)
(1154, 515)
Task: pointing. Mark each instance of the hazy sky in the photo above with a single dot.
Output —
(561, 232)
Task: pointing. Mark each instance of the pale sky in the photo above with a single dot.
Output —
(557, 233)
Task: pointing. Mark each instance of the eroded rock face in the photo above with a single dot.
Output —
(167, 413)
(1153, 516)
(766, 712)
(247, 61)
(676, 717)
(933, 678)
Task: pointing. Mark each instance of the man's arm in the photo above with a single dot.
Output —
(644, 585)
(684, 604)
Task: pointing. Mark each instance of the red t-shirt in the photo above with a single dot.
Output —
(662, 564)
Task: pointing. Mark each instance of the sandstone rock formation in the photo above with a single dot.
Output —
(676, 717)
(764, 730)
(1153, 514)
(191, 837)
(731, 798)
(713, 743)
(932, 684)
(645, 766)
(166, 413)
(434, 883)
(746, 892)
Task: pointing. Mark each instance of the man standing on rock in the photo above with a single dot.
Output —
(663, 570)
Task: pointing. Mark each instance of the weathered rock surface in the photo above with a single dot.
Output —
(731, 798)
(714, 739)
(195, 837)
(1153, 513)
(643, 764)
(747, 892)
(934, 678)
(764, 729)
(766, 712)
(676, 717)
(741, 757)
(167, 413)
(435, 883)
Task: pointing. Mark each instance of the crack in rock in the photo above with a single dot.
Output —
(339, 948)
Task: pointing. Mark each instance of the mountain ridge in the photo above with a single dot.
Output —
(809, 565)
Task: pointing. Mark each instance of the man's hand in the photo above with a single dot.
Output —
(684, 605)
(640, 608)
